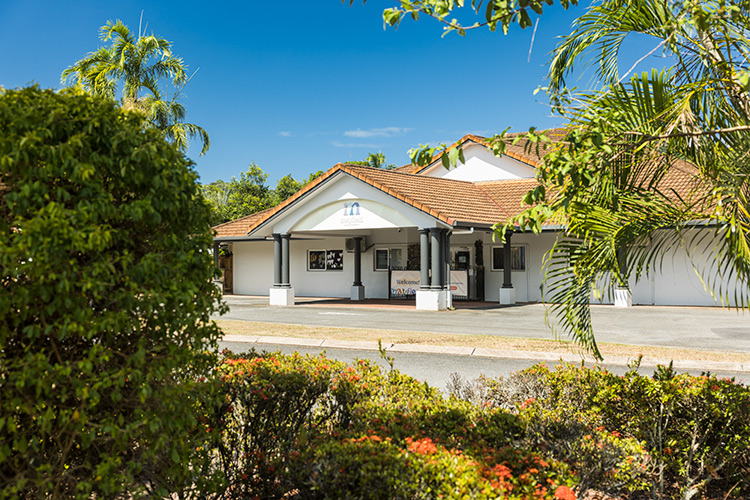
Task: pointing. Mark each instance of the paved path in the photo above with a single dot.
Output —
(706, 328)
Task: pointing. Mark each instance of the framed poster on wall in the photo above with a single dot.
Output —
(334, 260)
(316, 260)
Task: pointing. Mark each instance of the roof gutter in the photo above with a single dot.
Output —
(238, 238)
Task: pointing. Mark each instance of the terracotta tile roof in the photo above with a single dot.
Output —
(299, 194)
(448, 200)
(406, 169)
(509, 193)
(238, 227)
(681, 180)
(451, 201)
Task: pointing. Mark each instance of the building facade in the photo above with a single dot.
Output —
(419, 233)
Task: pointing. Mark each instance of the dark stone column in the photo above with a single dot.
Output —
(447, 253)
(436, 242)
(216, 254)
(507, 282)
(424, 259)
(277, 261)
(621, 255)
(357, 261)
(285, 260)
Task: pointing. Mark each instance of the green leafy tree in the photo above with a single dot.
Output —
(375, 160)
(138, 64)
(217, 196)
(314, 176)
(106, 297)
(286, 187)
(249, 193)
(612, 175)
(608, 180)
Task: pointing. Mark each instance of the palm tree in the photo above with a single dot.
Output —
(138, 64)
(611, 175)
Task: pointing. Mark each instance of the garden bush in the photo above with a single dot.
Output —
(309, 427)
(271, 404)
(675, 436)
(371, 467)
(105, 295)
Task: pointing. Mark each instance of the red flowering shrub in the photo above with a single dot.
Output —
(324, 429)
(371, 467)
(271, 401)
(308, 427)
(675, 435)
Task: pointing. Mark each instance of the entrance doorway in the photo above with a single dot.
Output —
(225, 264)
(462, 259)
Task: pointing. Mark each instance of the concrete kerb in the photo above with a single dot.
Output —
(486, 353)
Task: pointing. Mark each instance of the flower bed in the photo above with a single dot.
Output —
(310, 427)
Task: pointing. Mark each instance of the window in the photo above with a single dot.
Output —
(325, 260)
(397, 257)
(386, 258)
(381, 259)
(517, 258)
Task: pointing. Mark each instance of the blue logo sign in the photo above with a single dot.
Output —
(350, 209)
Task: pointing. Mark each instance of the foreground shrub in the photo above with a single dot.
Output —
(309, 427)
(371, 467)
(105, 297)
(676, 436)
(270, 403)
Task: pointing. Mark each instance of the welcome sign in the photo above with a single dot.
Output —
(404, 284)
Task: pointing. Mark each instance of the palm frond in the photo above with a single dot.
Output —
(137, 65)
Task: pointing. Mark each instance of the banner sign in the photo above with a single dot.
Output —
(406, 283)
(460, 283)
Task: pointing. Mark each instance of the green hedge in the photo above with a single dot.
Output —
(105, 297)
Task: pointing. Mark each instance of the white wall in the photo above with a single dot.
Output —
(482, 165)
(526, 283)
(253, 266)
(676, 283)
(343, 189)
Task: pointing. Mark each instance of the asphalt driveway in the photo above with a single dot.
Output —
(709, 328)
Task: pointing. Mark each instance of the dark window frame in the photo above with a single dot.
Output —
(520, 249)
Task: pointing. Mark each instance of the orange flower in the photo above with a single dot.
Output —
(501, 471)
(564, 493)
(422, 446)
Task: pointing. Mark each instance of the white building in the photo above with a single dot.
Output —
(362, 232)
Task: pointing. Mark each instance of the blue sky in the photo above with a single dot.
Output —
(298, 86)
